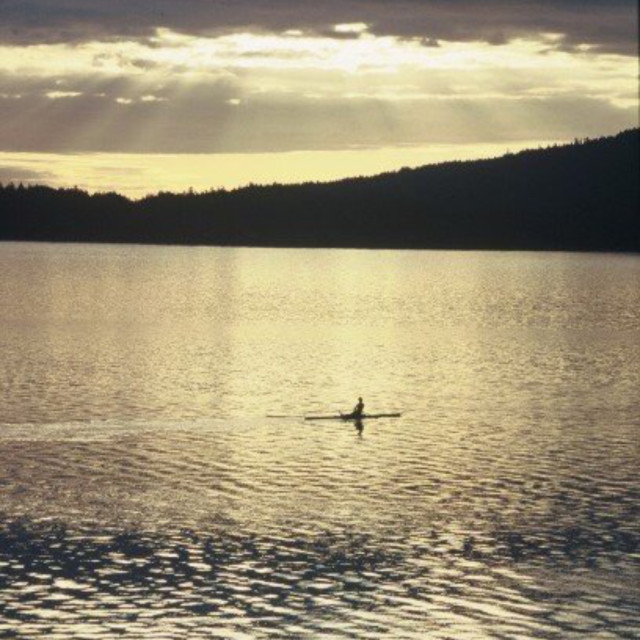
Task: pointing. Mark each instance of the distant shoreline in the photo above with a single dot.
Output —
(580, 197)
(318, 248)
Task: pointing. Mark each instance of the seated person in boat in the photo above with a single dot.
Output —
(358, 410)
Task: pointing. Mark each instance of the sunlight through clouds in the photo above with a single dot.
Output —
(347, 90)
(386, 68)
(185, 55)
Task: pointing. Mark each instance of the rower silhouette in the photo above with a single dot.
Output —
(358, 410)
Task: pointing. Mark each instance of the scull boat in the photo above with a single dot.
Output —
(349, 416)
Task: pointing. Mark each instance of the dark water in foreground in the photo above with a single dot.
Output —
(143, 492)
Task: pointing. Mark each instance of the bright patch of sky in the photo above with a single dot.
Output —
(386, 68)
(188, 55)
(137, 175)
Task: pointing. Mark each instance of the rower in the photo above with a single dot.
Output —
(358, 409)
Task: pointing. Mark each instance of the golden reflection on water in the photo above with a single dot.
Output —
(143, 490)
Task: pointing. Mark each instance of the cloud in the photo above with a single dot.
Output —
(333, 82)
(609, 25)
(208, 119)
(20, 174)
(60, 95)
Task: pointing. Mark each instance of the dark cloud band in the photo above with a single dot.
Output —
(610, 25)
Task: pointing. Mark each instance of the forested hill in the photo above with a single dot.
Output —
(582, 196)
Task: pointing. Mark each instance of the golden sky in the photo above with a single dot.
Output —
(141, 106)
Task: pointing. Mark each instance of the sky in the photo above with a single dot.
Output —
(139, 96)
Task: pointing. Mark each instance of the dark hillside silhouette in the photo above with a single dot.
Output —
(582, 196)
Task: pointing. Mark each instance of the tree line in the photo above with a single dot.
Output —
(580, 196)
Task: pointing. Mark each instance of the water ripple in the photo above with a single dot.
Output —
(87, 584)
(143, 494)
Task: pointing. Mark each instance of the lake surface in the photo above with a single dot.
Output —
(144, 492)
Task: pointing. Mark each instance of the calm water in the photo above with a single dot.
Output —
(144, 492)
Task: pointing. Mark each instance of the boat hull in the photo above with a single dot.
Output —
(347, 417)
